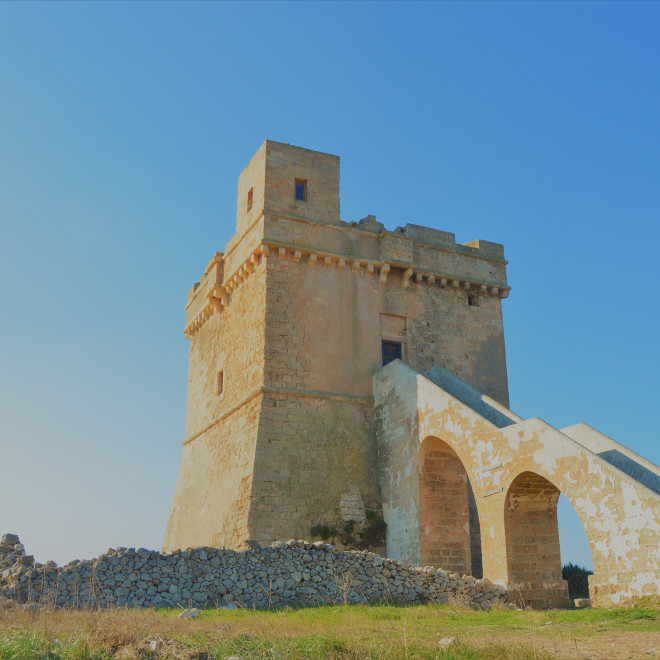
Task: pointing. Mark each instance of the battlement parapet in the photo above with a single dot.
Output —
(447, 241)
(423, 254)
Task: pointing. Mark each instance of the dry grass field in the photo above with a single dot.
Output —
(381, 631)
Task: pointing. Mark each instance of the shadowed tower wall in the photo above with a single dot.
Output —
(294, 313)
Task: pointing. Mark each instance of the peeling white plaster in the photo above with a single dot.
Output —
(586, 505)
(622, 519)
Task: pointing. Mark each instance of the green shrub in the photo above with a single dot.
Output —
(323, 532)
(353, 536)
(373, 534)
(578, 580)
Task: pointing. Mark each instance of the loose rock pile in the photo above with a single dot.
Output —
(293, 572)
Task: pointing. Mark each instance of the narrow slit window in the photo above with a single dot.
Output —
(249, 199)
(301, 190)
(221, 382)
(391, 351)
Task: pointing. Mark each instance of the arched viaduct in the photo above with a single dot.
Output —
(467, 485)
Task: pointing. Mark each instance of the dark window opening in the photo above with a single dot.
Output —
(221, 382)
(473, 300)
(249, 199)
(301, 190)
(391, 351)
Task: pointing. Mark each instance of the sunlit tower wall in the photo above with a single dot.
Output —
(287, 328)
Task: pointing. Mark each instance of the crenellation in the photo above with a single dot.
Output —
(217, 258)
(243, 269)
(486, 249)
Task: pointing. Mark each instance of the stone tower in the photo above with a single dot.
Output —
(287, 328)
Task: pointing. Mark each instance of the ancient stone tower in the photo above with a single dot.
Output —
(340, 372)
(287, 328)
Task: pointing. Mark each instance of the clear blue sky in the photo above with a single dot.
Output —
(124, 127)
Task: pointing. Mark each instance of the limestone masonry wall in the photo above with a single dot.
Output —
(293, 572)
(212, 496)
(315, 465)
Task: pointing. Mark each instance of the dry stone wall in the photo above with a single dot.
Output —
(293, 572)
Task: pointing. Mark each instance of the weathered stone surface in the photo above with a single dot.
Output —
(291, 573)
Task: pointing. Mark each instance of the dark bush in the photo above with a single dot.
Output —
(578, 580)
(323, 531)
(354, 536)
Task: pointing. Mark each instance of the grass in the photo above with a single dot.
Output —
(346, 632)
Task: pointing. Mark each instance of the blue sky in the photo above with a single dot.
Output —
(124, 128)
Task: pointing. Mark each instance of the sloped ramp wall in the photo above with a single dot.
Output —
(616, 454)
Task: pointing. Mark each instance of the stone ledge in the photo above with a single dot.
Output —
(219, 295)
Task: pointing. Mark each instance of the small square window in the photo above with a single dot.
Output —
(391, 351)
(473, 300)
(221, 382)
(249, 199)
(301, 190)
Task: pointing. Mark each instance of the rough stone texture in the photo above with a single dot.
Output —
(516, 469)
(221, 429)
(293, 314)
(293, 572)
(532, 542)
(444, 510)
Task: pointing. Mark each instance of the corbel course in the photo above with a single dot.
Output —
(220, 295)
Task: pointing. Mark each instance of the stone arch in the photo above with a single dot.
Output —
(619, 509)
(531, 531)
(450, 535)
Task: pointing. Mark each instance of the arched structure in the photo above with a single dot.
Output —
(532, 541)
(516, 468)
(448, 531)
